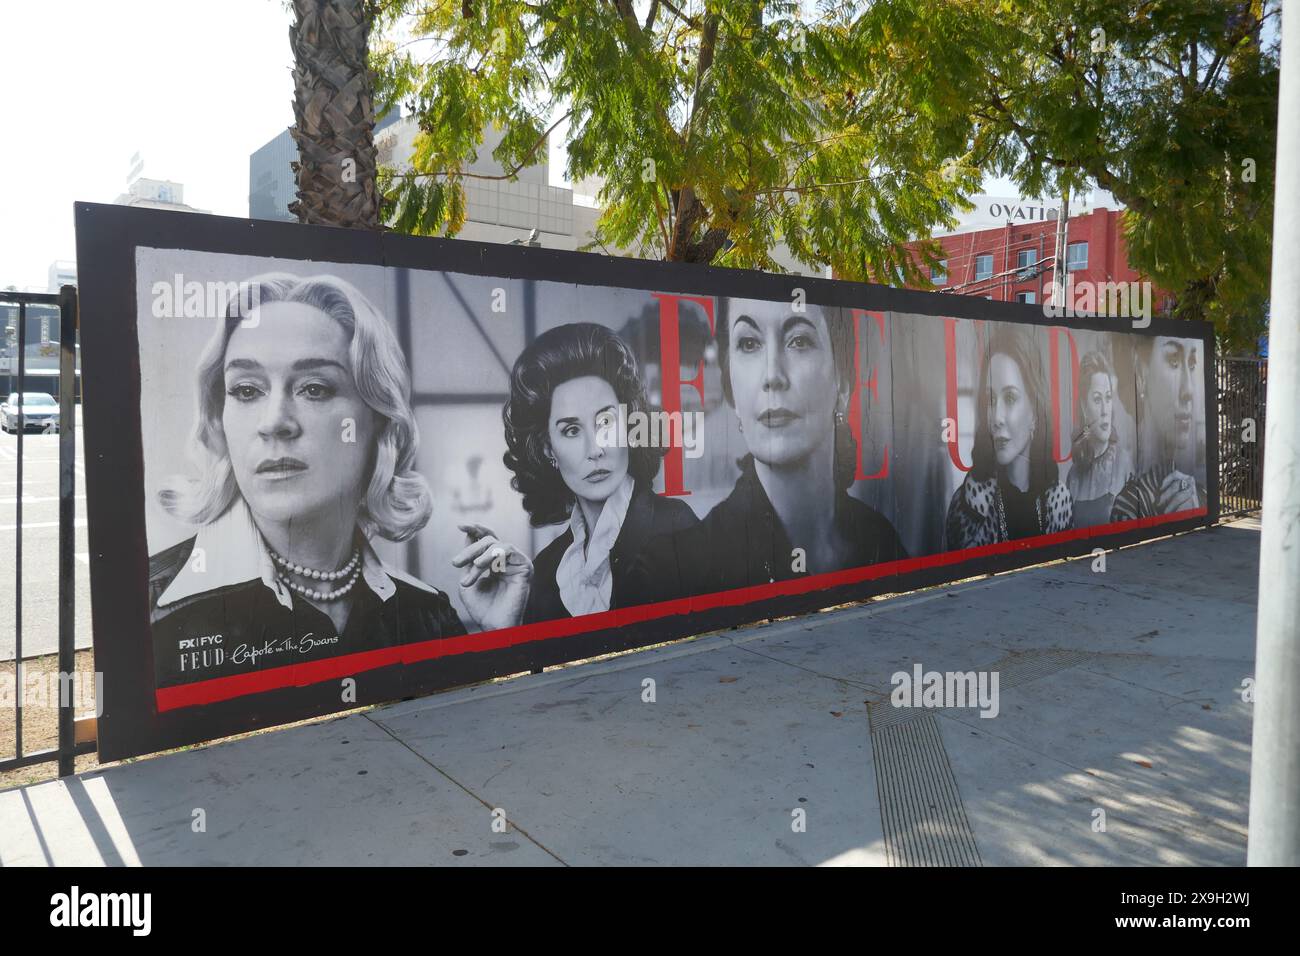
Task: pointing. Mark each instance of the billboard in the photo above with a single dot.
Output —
(327, 468)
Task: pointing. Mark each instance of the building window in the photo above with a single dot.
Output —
(1026, 297)
(939, 273)
(1076, 257)
(1025, 263)
(984, 266)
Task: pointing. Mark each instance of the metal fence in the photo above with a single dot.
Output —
(67, 748)
(1242, 386)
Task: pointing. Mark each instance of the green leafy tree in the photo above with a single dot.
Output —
(719, 129)
(1171, 105)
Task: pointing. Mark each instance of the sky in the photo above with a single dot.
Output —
(193, 86)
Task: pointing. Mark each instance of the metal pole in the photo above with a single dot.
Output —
(67, 526)
(1006, 260)
(1275, 750)
(18, 534)
(1058, 267)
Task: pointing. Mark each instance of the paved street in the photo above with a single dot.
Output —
(40, 533)
(1121, 738)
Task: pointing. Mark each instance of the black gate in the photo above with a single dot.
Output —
(21, 415)
(1242, 386)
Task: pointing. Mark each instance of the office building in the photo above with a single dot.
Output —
(1005, 250)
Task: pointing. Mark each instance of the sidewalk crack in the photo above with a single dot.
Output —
(862, 685)
(528, 836)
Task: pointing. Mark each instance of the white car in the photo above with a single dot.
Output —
(38, 410)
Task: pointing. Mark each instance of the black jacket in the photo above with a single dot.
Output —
(648, 515)
(742, 543)
(243, 627)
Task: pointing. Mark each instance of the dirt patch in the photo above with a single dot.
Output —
(41, 713)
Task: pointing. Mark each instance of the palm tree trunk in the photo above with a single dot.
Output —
(334, 114)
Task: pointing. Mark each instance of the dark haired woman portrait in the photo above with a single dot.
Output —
(1100, 462)
(1012, 490)
(789, 377)
(571, 392)
(1167, 381)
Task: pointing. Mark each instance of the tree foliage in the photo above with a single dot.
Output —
(718, 129)
(1171, 105)
(724, 126)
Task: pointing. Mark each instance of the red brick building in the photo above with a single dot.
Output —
(1014, 262)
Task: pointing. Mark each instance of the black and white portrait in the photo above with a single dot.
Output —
(1103, 437)
(356, 462)
(1013, 488)
(1170, 472)
(302, 450)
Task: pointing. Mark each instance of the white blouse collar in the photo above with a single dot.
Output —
(584, 579)
(230, 550)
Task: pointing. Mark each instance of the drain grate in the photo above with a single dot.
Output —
(883, 715)
(924, 821)
(1015, 669)
(1021, 667)
(920, 806)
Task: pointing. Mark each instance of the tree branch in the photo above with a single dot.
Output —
(681, 16)
(690, 211)
(508, 174)
(663, 229)
(624, 8)
(809, 188)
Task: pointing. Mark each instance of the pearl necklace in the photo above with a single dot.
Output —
(352, 570)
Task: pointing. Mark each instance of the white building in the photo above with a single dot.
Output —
(496, 209)
(61, 272)
(993, 211)
(499, 210)
(155, 194)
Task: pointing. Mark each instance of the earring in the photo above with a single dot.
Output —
(840, 417)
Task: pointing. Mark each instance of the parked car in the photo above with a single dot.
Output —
(38, 410)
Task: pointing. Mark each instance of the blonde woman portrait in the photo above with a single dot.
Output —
(1100, 462)
(305, 443)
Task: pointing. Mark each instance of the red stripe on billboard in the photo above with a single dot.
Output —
(349, 665)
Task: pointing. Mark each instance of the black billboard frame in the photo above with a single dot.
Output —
(107, 239)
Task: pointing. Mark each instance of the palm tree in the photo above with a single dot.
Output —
(334, 114)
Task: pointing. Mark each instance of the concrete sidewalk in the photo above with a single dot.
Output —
(1119, 692)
